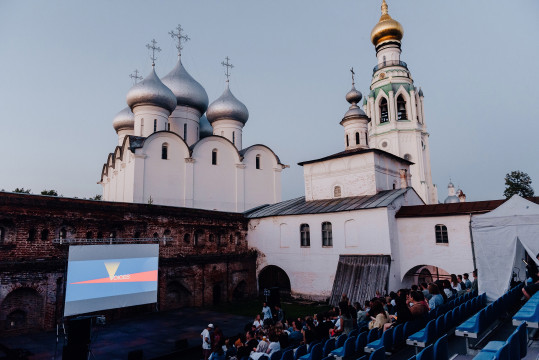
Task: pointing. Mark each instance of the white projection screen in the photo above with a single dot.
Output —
(101, 277)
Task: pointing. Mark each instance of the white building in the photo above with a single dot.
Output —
(170, 153)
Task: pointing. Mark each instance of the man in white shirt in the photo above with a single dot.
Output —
(206, 341)
(266, 312)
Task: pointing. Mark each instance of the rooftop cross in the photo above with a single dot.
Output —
(384, 7)
(135, 76)
(228, 67)
(179, 38)
(153, 48)
(353, 73)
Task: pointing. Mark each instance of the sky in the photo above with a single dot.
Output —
(65, 69)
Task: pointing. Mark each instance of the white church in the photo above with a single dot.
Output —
(369, 219)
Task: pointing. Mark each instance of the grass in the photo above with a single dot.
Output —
(291, 308)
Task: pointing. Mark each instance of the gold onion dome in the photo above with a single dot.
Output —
(386, 29)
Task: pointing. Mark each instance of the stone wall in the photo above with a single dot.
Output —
(204, 257)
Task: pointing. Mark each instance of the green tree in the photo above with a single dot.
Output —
(518, 182)
(22, 191)
(97, 197)
(49, 192)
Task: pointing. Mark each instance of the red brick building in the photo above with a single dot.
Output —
(203, 255)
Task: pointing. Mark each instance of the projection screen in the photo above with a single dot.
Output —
(101, 277)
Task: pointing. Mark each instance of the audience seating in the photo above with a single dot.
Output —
(385, 341)
(354, 332)
(340, 341)
(372, 335)
(426, 354)
(517, 344)
(328, 346)
(314, 354)
(276, 355)
(529, 313)
(361, 342)
(347, 350)
(288, 355)
(423, 337)
(441, 351)
(300, 351)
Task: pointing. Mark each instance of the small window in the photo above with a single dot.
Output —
(401, 108)
(441, 234)
(100, 235)
(231, 239)
(305, 235)
(142, 128)
(234, 137)
(63, 233)
(214, 157)
(366, 139)
(327, 236)
(44, 234)
(198, 238)
(237, 238)
(164, 151)
(187, 238)
(168, 126)
(220, 240)
(154, 125)
(347, 141)
(32, 234)
(337, 191)
(185, 132)
(384, 117)
(167, 234)
(89, 235)
(357, 138)
(257, 160)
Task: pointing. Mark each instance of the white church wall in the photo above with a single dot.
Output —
(214, 186)
(312, 269)
(417, 242)
(164, 178)
(262, 186)
(184, 115)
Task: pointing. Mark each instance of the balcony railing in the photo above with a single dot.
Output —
(389, 63)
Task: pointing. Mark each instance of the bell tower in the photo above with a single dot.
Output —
(395, 107)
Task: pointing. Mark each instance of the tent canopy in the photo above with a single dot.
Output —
(501, 239)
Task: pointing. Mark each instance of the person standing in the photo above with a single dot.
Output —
(206, 341)
(266, 312)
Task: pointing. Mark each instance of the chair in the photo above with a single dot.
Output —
(441, 351)
(277, 355)
(340, 340)
(288, 355)
(424, 336)
(503, 353)
(328, 346)
(385, 341)
(398, 335)
(354, 332)
(523, 337)
(315, 354)
(426, 354)
(373, 335)
(379, 354)
(440, 326)
(300, 351)
(361, 342)
(448, 321)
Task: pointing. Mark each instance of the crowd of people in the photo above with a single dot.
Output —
(271, 331)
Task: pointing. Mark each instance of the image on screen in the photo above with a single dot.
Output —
(101, 277)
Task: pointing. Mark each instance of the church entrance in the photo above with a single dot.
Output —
(272, 277)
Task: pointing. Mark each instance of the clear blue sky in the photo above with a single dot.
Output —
(65, 73)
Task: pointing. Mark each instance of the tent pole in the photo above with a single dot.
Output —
(471, 240)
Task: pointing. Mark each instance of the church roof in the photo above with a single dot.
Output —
(461, 208)
(299, 206)
(355, 152)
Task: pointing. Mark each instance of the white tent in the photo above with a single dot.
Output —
(501, 238)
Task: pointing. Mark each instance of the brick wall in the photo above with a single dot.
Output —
(204, 257)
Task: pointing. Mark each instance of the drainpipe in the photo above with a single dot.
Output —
(471, 240)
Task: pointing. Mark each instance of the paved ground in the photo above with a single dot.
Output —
(156, 334)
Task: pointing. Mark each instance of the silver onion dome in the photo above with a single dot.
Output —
(354, 96)
(205, 127)
(124, 120)
(187, 90)
(151, 91)
(227, 107)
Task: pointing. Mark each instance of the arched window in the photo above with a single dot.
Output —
(45, 234)
(231, 239)
(383, 111)
(164, 151)
(337, 191)
(327, 236)
(63, 233)
(257, 160)
(187, 238)
(357, 138)
(198, 238)
(185, 132)
(142, 127)
(367, 139)
(441, 234)
(401, 108)
(214, 157)
(32, 234)
(305, 235)
(168, 126)
(347, 141)
(154, 125)
(89, 235)
(234, 137)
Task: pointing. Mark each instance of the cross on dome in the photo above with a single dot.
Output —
(179, 38)
(153, 48)
(228, 66)
(353, 74)
(135, 76)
